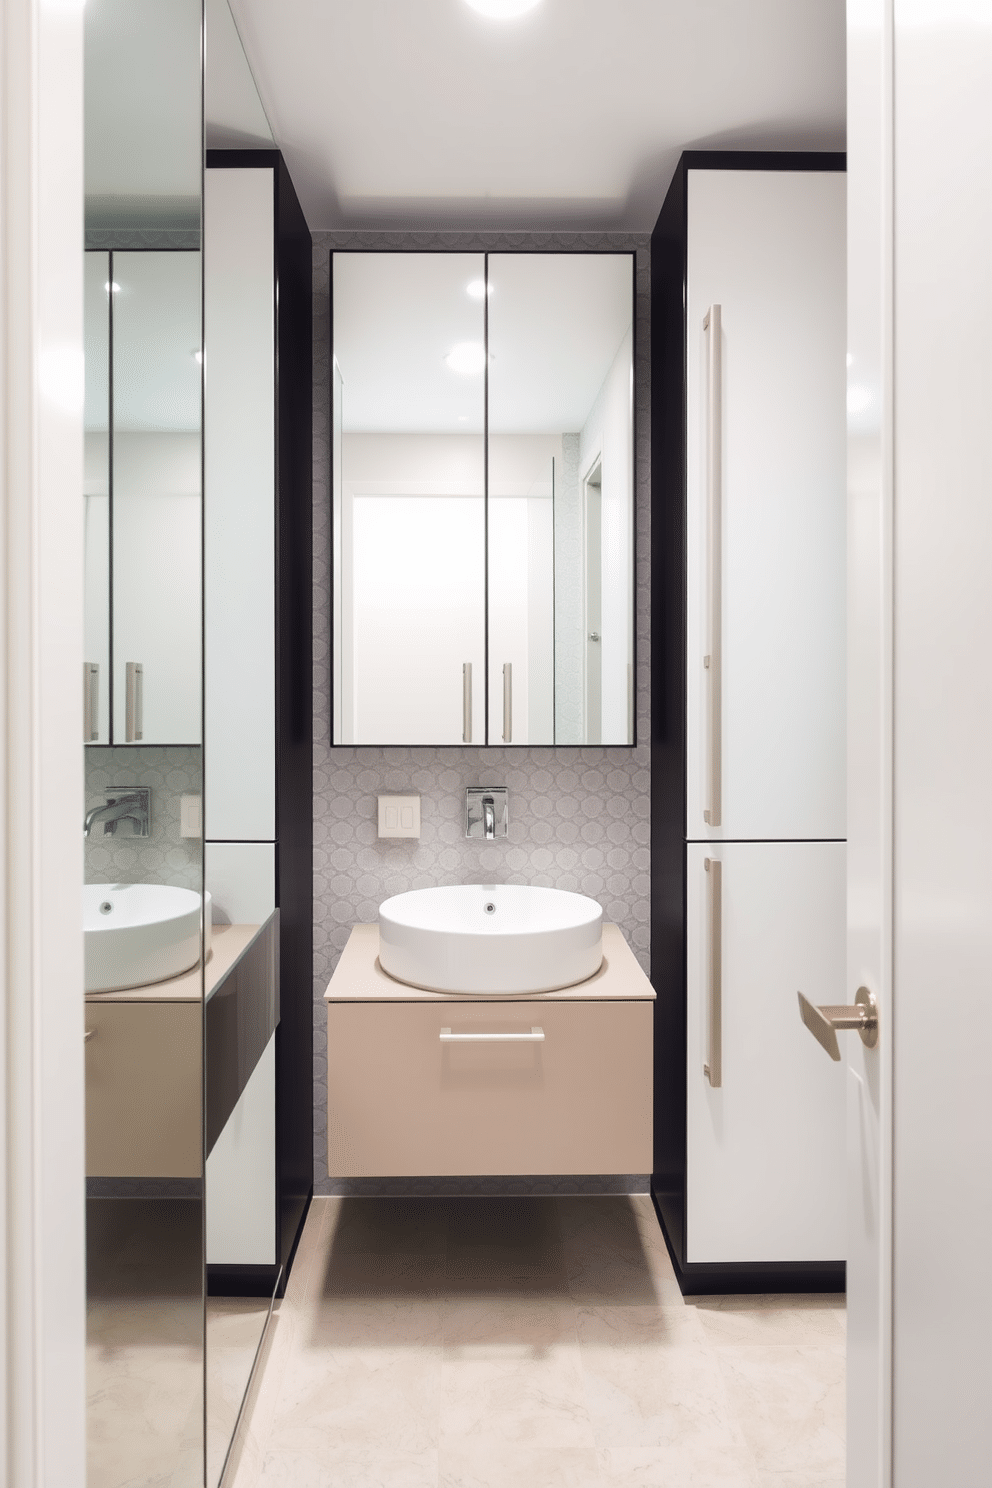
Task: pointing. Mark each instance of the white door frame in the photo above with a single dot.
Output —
(42, 1294)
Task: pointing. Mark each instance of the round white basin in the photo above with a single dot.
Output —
(495, 939)
(134, 934)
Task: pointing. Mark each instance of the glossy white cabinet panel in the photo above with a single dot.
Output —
(241, 1175)
(241, 878)
(766, 1150)
(239, 504)
(768, 247)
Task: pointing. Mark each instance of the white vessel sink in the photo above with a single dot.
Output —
(490, 939)
(134, 934)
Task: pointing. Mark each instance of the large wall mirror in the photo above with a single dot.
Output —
(483, 517)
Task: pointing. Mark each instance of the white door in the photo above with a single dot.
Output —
(766, 1163)
(768, 248)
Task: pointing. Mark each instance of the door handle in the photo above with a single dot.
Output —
(508, 702)
(91, 696)
(713, 1068)
(134, 701)
(466, 702)
(713, 660)
(825, 1022)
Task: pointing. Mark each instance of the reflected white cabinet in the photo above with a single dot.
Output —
(765, 1148)
(767, 526)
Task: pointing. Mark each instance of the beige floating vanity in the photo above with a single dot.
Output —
(561, 1083)
(143, 1090)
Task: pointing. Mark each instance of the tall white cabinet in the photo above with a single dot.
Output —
(756, 636)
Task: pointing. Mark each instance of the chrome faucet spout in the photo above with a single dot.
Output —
(489, 817)
(132, 807)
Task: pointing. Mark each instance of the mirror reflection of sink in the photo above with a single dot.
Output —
(490, 939)
(134, 934)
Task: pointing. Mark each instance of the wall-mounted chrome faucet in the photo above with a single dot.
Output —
(124, 803)
(486, 813)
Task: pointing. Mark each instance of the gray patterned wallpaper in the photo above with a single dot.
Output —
(170, 770)
(579, 818)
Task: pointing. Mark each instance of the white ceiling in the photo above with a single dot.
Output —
(555, 325)
(423, 114)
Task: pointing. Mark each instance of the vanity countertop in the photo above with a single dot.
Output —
(226, 944)
(358, 977)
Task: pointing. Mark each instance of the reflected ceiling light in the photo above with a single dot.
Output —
(468, 358)
(112, 288)
(197, 356)
(503, 10)
(478, 289)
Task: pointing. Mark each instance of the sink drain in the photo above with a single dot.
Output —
(489, 908)
(106, 907)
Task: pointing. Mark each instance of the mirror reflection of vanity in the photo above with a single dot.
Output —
(483, 518)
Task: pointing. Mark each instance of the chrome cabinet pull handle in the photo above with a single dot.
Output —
(508, 702)
(713, 661)
(91, 698)
(825, 1022)
(466, 702)
(134, 702)
(90, 1033)
(536, 1036)
(713, 1068)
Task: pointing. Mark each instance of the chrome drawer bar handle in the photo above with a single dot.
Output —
(536, 1036)
(466, 702)
(713, 1068)
(713, 661)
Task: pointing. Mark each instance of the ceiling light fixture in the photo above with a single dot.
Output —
(468, 358)
(478, 289)
(503, 10)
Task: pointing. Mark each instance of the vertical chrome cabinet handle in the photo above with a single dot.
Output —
(508, 702)
(713, 1069)
(713, 661)
(91, 701)
(134, 701)
(466, 702)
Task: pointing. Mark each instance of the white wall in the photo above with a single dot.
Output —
(42, 1279)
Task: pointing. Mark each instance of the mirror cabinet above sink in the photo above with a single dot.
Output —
(483, 517)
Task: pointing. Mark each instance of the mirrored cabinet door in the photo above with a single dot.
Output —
(483, 523)
(409, 508)
(96, 500)
(561, 498)
(156, 498)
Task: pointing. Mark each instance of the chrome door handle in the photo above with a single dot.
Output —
(713, 660)
(536, 1036)
(713, 1068)
(824, 1022)
(508, 702)
(91, 697)
(466, 702)
(134, 701)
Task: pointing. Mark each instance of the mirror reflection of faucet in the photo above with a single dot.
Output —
(123, 803)
(486, 813)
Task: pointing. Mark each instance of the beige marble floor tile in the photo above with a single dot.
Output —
(603, 1326)
(623, 1467)
(615, 1253)
(352, 1396)
(771, 1319)
(333, 1466)
(511, 1396)
(260, 1409)
(800, 1480)
(486, 1461)
(657, 1398)
(790, 1403)
(412, 1226)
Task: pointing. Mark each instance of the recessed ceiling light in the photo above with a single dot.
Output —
(478, 289)
(468, 358)
(503, 10)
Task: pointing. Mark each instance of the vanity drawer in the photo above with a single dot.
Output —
(405, 1102)
(143, 1080)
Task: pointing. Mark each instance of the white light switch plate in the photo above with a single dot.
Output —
(399, 816)
(190, 816)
